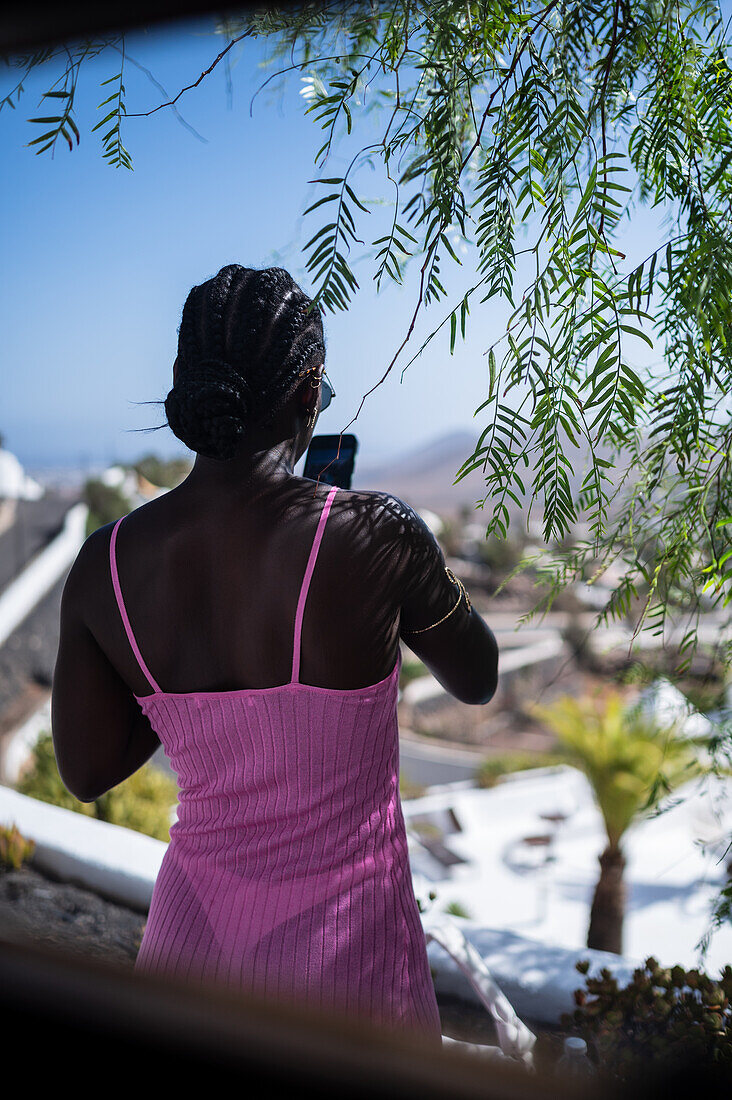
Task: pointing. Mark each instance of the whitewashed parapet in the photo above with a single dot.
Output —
(40, 575)
(118, 863)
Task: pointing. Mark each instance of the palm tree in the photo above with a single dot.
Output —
(631, 762)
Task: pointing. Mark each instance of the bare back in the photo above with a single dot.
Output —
(211, 589)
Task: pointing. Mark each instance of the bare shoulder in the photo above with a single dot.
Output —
(388, 515)
(381, 530)
(90, 572)
(93, 551)
(84, 588)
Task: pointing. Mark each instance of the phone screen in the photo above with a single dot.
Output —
(321, 461)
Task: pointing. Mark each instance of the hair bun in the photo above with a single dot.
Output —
(208, 407)
(245, 339)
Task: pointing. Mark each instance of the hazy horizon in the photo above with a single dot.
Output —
(454, 439)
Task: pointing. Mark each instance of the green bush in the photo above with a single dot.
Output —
(704, 695)
(143, 802)
(501, 555)
(106, 503)
(491, 770)
(671, 1016)
(411, 670)
(41, 779)
(166, 473)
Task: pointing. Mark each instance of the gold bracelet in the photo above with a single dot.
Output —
(463, 592)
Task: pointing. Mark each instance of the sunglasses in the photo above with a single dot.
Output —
(327, 393)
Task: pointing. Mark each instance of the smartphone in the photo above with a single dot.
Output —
(329, 462)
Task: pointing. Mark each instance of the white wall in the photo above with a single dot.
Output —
(40, 575)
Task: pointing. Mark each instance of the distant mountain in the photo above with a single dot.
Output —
(442, 449)
(424, 476)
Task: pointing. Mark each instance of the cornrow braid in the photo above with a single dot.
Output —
(245, 340)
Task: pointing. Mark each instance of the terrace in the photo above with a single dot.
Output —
(519, 859)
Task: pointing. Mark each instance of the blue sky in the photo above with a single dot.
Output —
(98, 262)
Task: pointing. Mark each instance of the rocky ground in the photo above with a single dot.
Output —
(57, 914)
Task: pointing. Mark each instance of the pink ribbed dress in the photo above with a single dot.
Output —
(287, 871)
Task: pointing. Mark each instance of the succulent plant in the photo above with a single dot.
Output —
(15, 849)
(663, 1014)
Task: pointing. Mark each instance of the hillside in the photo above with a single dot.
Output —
(424, 476)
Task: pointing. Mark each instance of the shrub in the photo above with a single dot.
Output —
(501, 555)
(15, 849)
(40, 779)
(669, 1016)
(411, 670)
(143, 802)
(106, 503)
(491, 770)
(166, 473)
(638, 673)
(704, 694)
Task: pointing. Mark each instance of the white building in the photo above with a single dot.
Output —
(15, 484)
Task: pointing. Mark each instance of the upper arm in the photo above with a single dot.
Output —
(99, 734)
(461, 651)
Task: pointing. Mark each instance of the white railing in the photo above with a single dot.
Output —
(40, 575)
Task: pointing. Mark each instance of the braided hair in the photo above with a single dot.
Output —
(246, 338)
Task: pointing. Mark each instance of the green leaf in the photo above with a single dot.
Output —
(637, 332)
(356, 200)
(112, 114)
(43, 137)
(328, 198)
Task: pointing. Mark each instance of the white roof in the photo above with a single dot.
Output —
(14, 481)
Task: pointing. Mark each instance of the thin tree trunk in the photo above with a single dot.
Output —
(608, 905)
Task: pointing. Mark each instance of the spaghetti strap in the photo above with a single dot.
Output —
(123, 609)
(306, 584)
